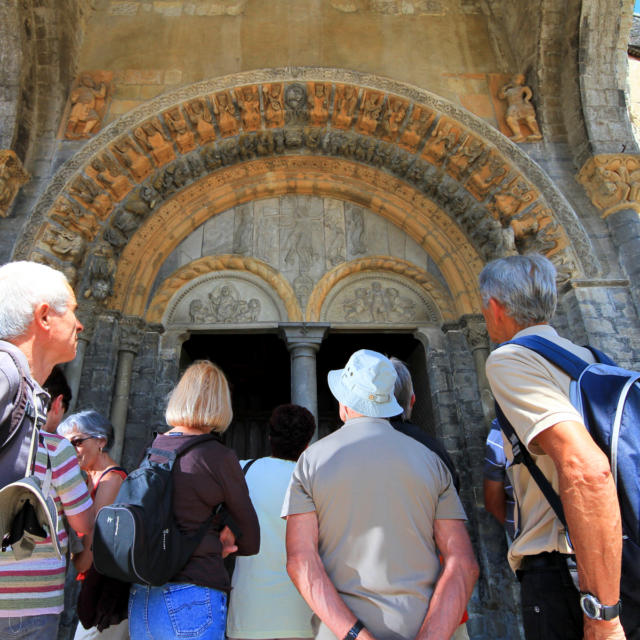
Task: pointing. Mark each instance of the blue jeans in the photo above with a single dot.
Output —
(177, 610)
(40, 627)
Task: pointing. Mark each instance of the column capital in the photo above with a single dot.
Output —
(475, 331)
(302, 334)
(131, 333)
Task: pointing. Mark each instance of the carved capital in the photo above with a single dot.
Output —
(612, 182)
(301, 334)
(131, 333)
(12, 177)
(475, 331)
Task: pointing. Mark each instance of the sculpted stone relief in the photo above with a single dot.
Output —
(612, 181)
(221, 298)
(430, 152)
(378, 298)
(87, 104)
(520, 111)
(12, 177)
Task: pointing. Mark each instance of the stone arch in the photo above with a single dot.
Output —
(429, 153)
(222, 263)
(444, 304)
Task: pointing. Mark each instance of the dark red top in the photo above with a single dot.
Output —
(204, 477)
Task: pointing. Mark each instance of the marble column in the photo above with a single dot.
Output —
(303, 342)
(475, 331)
(131, 333)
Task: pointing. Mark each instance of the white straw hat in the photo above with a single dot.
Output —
(366, 385)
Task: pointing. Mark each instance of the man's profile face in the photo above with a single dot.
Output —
(64, 331)
(493, 325)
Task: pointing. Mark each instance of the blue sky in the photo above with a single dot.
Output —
(636, 6)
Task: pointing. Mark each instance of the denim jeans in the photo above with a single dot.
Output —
(40, 627)
(177, 610)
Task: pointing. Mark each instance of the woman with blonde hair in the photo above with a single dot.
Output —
(194, 603)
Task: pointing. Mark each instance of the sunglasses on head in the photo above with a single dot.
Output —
(76, 442)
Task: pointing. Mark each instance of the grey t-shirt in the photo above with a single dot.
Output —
(376, 493)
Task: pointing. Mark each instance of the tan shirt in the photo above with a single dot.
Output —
(376, 493)
(534, 395)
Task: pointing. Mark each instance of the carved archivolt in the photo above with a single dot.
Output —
(375, 294)
(612, 181)
(223, 306)
(127, 173)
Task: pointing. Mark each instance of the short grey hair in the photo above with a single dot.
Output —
(403, 389)
(89, 423)
(525, 285)
(23, 286)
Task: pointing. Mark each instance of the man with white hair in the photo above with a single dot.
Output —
(366, 509)
(38, 329)
(519, 298)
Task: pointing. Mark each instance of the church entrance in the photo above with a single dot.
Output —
(258, 368)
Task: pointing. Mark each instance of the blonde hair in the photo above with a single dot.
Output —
(201, 399)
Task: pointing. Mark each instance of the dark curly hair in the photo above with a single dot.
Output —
(290, 429)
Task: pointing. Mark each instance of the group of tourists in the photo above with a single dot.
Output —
(358, 535)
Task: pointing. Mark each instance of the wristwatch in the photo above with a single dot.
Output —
(352, 634)
(595, 610)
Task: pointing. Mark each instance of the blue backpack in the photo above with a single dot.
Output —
(608, 398)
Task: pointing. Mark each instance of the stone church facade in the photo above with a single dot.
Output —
(272, 185)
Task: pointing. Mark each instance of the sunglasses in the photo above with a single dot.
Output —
(76, 442)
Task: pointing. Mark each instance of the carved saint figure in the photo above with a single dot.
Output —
(108, 175)
(319, 103)
(101, 269)
(12, 177)
(249, 102)
(87, 101)
(200, 118)
(371, 112)
(518, 97)
(152, 139)
(180, 130)
(131, 158)
(295, 102)
(73, 217)
(345, 105)
(226, 112)
(273, 107)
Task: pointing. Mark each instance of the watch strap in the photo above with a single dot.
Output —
(352, 634)
(605, 612)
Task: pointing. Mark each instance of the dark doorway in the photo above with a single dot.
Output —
(258, 369)
(335, 352)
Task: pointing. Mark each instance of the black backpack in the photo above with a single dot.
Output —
(136, 539)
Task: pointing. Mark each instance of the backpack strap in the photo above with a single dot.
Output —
(522, 456)
(570, 363)
(247, 465)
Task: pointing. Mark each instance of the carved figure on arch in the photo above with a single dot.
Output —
(153, 140)
(417, 127)
(442, 141)
(318, 102)
(225, 111)
(371, 112)
(177, 124)
(511, 200)
(392, 118)
(105, 171)
(64, 244)
(87, 105)
(73, 217)
(466, 156)
(520, 109)
(94, 198)
(486, 175)
(273, 105)
(101, 269)
(345, 102)
(12, 177)
(201, 118)
(295, 102)
(131, 158)
(249, 103)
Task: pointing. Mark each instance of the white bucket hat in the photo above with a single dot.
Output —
(366, 385)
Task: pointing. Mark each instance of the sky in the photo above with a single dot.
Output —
(636, 6)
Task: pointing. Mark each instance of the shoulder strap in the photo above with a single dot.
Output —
(571, 364)
(170, 455)
(109, 470)
(522, 456)
(247, 465)
(23, 404)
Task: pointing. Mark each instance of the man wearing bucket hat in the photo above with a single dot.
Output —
(367, 509)
(39, 475)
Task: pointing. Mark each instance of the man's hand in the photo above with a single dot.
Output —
(228, 541)
(600, 630)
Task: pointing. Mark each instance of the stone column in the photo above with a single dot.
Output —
(131, 333)
(475, 331)
(73, 369)
(303, 341)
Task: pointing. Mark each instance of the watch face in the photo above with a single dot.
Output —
(590, 606)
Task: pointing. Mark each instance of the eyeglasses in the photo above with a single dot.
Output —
(76, 442)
